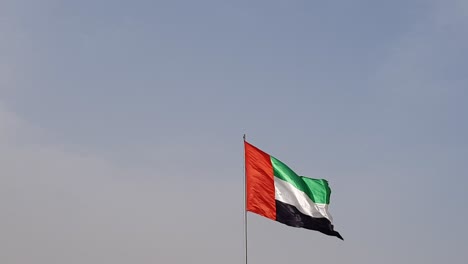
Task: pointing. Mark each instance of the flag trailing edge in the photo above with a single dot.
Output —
(276, 192)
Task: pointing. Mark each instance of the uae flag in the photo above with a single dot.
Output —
(274, 191)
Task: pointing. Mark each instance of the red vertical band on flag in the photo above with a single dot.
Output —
(260, 183)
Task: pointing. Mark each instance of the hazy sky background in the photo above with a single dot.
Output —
(121, 128)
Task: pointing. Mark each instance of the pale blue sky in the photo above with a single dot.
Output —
(121, 125)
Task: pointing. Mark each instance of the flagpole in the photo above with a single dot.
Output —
(245, 208)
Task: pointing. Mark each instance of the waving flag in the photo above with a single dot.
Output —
(275, 191)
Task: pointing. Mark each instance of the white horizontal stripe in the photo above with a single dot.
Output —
(287, 193)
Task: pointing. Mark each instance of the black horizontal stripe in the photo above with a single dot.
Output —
(289, 215)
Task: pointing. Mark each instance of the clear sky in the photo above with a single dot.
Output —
(121, 128)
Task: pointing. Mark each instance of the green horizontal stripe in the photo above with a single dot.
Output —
(317, 189)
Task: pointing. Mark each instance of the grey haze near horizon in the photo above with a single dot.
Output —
(121, 128)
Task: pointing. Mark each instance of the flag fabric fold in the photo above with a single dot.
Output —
(276, 192)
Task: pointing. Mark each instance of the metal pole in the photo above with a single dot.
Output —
(245, 208)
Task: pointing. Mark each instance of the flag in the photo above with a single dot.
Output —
(276, 192)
